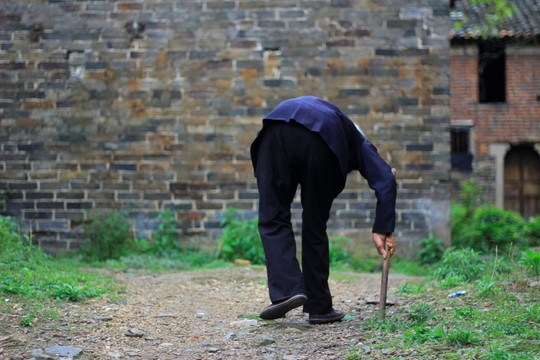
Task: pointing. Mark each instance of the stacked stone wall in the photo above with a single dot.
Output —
(141, 106)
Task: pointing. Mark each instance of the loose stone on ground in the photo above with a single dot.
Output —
(201, 315)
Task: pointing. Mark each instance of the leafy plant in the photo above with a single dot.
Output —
(412, 288)
(240, 238)
(72, 293)
(108, 236)
(167, 235)
(29, 273)
(431, 250)
(463, 264)
(420, 313)
(496, 228)
(465, 312)
(462, 337)
(28, 320)
(531, 261)
(532, 231)
(470, 196)
(422, 334)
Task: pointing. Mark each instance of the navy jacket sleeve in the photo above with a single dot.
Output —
(365, 158)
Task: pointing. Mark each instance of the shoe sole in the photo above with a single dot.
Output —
(326, 320)
(279, 310)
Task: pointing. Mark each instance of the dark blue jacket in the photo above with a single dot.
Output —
(352, 149)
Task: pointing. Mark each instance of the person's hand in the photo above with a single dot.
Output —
(380, 240)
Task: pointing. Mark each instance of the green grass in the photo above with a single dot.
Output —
(502, 325)
(37, 282)
(498, 317)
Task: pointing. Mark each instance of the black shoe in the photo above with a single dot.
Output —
(275, 311)
(335, 315)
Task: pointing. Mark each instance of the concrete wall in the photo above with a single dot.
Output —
(97, 118)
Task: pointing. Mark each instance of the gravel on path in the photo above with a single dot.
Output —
(205, 314)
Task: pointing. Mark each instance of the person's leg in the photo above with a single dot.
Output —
(277, 186)
(321, 182)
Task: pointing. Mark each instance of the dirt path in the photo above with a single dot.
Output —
(207, 314)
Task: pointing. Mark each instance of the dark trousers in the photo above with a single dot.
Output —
(289, 154)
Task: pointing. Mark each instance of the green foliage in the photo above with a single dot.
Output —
(530, 260)
(462, 264)
(240, 239)
(337, 250)
(532, 231)
(108, 236)
(16, 249)
(462, 337)
(27, 272)
(73, 293)
(470, 196)
(167, 235)
(493, 320)
(466, 312)
(422, 334)
(431, 250)
(495, 228)
(187, 259)
(412, 288)
(420, 313)
(496, 13)
(28, 320)
(486, 228)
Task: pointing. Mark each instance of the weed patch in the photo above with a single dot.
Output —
(30, 278)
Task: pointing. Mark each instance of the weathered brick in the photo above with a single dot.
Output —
(143, 129)
(50, 205)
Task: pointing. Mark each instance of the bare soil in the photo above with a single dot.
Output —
(209, 314)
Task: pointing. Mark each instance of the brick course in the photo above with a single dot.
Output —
(95, 118)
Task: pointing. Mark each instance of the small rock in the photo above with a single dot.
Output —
(64, 351)
(166, 344)
(213, 349)
(168, 315)
(261, 340)
(103, 318)
(114, 355)
(290, 357)
(134, 333)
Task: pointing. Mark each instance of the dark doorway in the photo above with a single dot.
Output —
(522, 180)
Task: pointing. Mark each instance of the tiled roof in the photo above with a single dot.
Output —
(524, 23)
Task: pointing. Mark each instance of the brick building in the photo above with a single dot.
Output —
(141, 106)
(495, 107)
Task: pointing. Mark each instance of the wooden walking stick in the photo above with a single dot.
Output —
(384, 278)
(384, 284)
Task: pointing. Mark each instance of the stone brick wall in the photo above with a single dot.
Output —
(96, 116)
(512, 122)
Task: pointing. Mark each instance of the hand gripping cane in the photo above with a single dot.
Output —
(384, 278)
